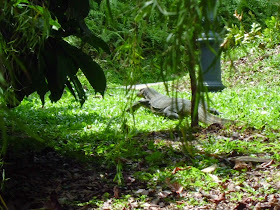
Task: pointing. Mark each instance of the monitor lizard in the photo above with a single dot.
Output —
(174, 108)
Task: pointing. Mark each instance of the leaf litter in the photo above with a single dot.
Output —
(50, 180)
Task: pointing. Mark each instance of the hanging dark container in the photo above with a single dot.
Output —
(210, 61)
(209, 46)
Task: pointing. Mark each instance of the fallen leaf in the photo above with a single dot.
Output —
(142, 192)
(220, 198)
(266, 205)
(146, 205)
(210, 168)
(175, 186)
(107, 205)
(161, 204)
(177, 169)
(164, 193)
(215, 178)
(179, 190)
(239, 165)
(273, 201)
(116, 192)
(235, 135)
(130, 179)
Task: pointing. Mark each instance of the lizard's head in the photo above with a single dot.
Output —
(147, 93)
(141, 93)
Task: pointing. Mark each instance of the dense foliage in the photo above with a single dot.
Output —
(139, 34)
(150, 154)
(44, 43)
(35, 56)
(139, 31)
(253, 11)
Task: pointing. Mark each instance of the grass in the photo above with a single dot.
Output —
(150, 147)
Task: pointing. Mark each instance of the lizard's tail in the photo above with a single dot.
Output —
(207, 118)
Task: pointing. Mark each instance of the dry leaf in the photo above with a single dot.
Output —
(164, 194)
(116, 192)
(231, 187)
(239, 17)
(239, 165)
(220, 198)
(180, 189)
(175, 186)
(142, 192)
(210, 169)
(215, 178)
(177, 169)
(107, 205)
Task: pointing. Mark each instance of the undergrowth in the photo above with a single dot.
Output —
(162, 154)
(101, 132)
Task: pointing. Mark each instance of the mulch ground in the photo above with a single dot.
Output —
(49, 180)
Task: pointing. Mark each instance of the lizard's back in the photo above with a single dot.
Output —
(181, 107)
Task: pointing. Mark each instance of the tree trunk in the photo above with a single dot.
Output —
(194, 108)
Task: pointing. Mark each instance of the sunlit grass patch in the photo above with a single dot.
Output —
(151, 149)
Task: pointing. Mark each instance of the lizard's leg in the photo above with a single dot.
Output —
(211, 110)
(214, 111)
(170, 113)
(138, 104)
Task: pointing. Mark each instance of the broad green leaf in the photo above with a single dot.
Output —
(65, 65)
(90, 38)
(55, 80)
(39, 81)
(93, 73)
(79, 89)
(70, 88)
(94, 41)
(91, 69)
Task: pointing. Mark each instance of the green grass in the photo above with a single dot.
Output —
(101, 132)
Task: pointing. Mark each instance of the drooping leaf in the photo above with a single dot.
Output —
(38, 80)
(52, 67)
(79, 89)
(95, 42)
(70, 88)
(68, 69)
(91, 39)
(55, 80)
(93, 73)
(78, 9)
(65, 65)
(21, 79)
(61, 67)
(91, 69)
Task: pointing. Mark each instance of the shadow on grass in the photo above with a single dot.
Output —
(78, 164)
(46, 178)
